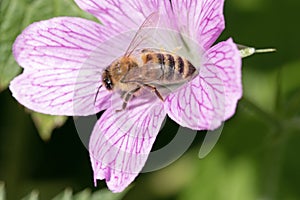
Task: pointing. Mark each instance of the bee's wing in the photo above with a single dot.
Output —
(144, 32)
(148, 73)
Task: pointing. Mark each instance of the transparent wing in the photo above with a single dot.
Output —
(148, 73)
(144, 32)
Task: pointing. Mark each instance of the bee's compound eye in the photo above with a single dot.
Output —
(106, 80)
(108, 84)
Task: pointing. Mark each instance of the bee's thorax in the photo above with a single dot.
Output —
(114, 73)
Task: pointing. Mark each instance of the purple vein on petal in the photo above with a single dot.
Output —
(120, 142)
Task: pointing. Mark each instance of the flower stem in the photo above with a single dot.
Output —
(272, 120)
(278, 94)
(273, 157)
(276, 142)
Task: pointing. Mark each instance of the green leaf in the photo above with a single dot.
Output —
(34, 195)
(2, 191)
(10, 15)
(16, 15)
(47, 123)
(84, 195)
(105, 194)
(65, 195)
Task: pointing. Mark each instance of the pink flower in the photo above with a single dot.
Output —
(63, 59)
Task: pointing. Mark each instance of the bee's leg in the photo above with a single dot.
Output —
(153, 89)
(126, 97)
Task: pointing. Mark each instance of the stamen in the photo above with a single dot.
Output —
(248, 51)
(265, 50)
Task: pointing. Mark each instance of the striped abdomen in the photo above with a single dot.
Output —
(174, 68)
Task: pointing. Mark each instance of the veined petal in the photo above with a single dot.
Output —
(121, 141)
(120, 15)
(60, 92)
(212, 96)
(227, 58)
(63, 59)
(202, 20)
(60, 43)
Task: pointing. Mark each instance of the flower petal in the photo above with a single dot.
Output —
(60, 43)
(202, 20)
(60, 92)
(120, 15)
(212, 96)
(121, 141)
(63, 60)
(227, 58)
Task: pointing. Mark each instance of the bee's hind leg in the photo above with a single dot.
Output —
(154, 89)
(126, 97)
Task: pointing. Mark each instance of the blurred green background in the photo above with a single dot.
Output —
(256, 157)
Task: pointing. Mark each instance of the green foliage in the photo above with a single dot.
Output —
(46, 123)
(232, 181)
(67, 194)
(10, 15)
(2, 191)
(34, 195)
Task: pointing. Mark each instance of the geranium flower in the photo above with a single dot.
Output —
(63, 59)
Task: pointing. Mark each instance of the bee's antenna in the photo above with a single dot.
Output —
(248, 51)
(171, 5)
(97, 93)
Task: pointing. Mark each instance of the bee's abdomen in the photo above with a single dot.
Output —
(176, 68)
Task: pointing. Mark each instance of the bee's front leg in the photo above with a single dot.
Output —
(126, 97)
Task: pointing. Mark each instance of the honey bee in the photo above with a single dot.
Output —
(147, 69)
